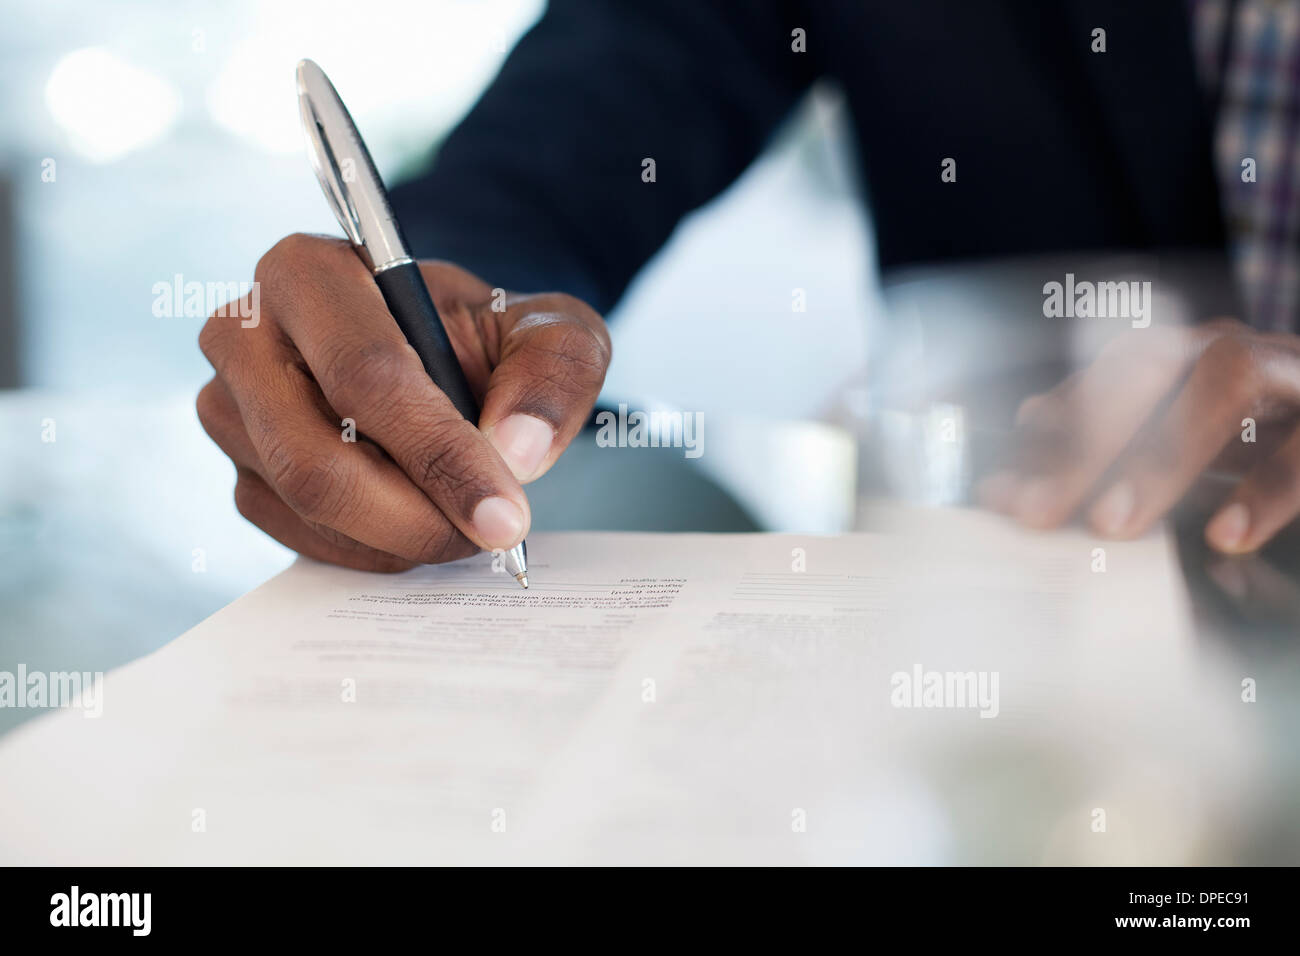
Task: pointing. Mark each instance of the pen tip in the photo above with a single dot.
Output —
(522, 579)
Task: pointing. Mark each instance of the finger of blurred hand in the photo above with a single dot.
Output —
(1067, 438)
(1265, 502)
(1228, 380)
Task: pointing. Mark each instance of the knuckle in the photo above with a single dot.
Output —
(1232, 366)
(289, 253)
(1231, 352)
(248, 499)
(313, 485)
(448, 461)
(569, 357)
(444, 543)
(219, 418)
(209, 404)
(369, 379)
(291, 263)
(214, 339)
(586, 349)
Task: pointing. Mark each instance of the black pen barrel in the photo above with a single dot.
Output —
(408, 299)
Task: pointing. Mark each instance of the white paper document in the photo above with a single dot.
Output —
(947, 690)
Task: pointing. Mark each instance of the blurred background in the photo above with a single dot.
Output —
(148, 139)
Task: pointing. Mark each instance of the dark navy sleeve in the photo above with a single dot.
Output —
(541, 186)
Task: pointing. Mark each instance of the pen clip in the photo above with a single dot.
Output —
(326, 165)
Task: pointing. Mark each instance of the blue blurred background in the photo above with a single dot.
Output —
(171, 130)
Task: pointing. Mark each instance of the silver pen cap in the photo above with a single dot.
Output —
(346, 172)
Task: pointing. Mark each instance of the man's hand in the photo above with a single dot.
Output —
(1125, 438)
(419, 484)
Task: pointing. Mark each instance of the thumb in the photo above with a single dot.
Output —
(554, 353)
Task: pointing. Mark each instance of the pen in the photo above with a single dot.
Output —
(357, 195)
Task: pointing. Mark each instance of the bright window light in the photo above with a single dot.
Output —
(107, 106)
(421, 76)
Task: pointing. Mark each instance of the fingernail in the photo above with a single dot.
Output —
(498, 522)
(524, 442)
(1228, 528)
(1037, 501)
(1111, 513)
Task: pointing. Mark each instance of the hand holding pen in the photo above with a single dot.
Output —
(420, 484)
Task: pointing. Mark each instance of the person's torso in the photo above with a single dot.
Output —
(1012, 127)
